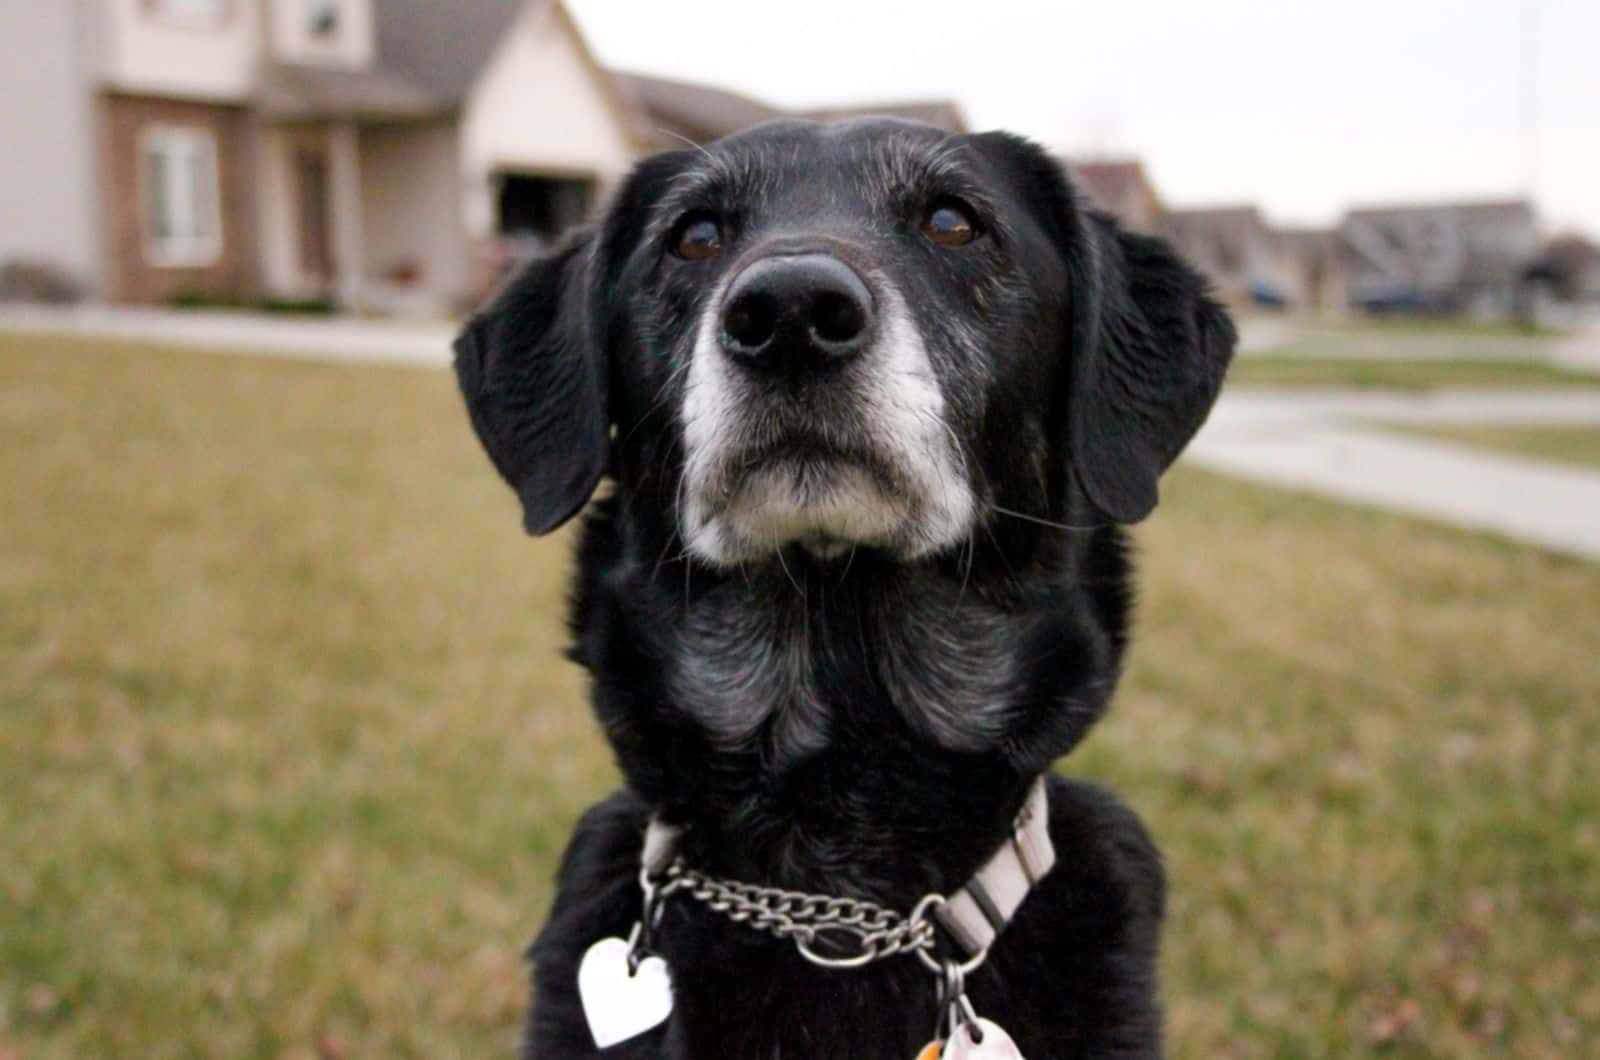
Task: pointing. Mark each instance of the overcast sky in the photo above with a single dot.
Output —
(1304, 107)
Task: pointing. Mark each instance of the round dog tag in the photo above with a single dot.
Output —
(930, 1051)
(996, 1043)
(619, 1005)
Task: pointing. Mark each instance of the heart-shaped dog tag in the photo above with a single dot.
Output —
(996, 1044)
(617, 1005)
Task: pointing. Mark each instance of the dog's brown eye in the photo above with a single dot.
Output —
(950, 224)
(698, 238)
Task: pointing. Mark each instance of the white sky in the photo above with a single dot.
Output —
(1303, 106)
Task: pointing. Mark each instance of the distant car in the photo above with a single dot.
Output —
(1265, 296)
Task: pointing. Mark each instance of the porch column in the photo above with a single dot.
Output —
(344, 151)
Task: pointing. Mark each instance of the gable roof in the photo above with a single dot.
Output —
(667, 109)
(1111, 182)
(700, 113)
(440, 45)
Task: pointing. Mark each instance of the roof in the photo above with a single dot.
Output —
(1214, 219)
(443, 47)
(943, 113)
(1491, 211)
(668, 109)
(293, 91)
(697, 112)
(1110, 180)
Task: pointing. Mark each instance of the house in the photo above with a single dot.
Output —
(670, 114)
(377, 152)
(1572, 262)
(1247, 261)
(1440, 257)
(1314, 269)
(1121, 187)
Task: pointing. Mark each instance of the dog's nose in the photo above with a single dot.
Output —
(796, 313)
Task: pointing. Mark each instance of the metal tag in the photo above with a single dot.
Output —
(618, 1005)
(996, 1043)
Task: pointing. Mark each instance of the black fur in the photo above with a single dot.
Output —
(865, 725)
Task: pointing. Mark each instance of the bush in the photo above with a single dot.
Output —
(35, 281)
(317, 305)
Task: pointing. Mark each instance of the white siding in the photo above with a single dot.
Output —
(352, 44)
(539, 107)
(411, 197)
(279, 218)
(144, 52)
(48, 207)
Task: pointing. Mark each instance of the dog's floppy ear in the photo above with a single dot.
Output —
(1152, 351)
(534, 379)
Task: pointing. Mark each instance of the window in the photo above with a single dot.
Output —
(322, 17)
(183, 220)
(190, 12)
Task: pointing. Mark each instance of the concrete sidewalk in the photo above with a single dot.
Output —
(328, 338)
(1327, 443)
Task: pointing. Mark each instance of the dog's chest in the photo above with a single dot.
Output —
(787, 675)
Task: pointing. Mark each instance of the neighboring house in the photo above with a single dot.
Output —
(1247, 262)
(1121, 187)
(1315, 269)
(1444, 257)
(670, 114)
(1572, 262)
(376, 151)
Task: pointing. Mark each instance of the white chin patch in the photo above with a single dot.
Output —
(828, 508)
(731, 513)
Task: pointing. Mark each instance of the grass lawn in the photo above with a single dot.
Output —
(1567, 445)
(290, 754)
(1272, 369)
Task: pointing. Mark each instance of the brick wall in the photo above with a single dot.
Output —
(133, 277)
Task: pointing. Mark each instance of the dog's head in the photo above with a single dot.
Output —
(866, 334)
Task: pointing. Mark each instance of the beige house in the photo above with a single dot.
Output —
(1247, 260)
(1120, 186)
(377, 152)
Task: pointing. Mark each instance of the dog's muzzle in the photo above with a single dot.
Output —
(812, 416)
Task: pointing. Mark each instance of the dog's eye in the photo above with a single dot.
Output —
(949, 223)
(698, 237)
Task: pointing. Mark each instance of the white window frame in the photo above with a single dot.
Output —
(196, 213)
(193, 14)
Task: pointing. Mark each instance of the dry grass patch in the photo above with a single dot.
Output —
(1398, 373)
(290, 754)
(1565, 445)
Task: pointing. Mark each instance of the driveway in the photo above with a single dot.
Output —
(1326, 442)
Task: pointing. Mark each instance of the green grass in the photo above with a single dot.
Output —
(1270, 369)
(1566, 445)
(289, 752)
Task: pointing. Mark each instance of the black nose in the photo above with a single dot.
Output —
(796, 313)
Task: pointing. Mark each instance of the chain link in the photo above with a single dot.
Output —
(811, 920)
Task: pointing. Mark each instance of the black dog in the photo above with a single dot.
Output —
(874, 399)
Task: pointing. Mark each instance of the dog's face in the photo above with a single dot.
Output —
(870, 334)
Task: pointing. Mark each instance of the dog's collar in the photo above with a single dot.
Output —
(974, 916)
(626, 986)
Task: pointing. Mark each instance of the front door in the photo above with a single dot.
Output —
(316, 226)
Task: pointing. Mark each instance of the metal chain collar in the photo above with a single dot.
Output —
(857, 931)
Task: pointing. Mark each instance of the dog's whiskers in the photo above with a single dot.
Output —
(1025, 517)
